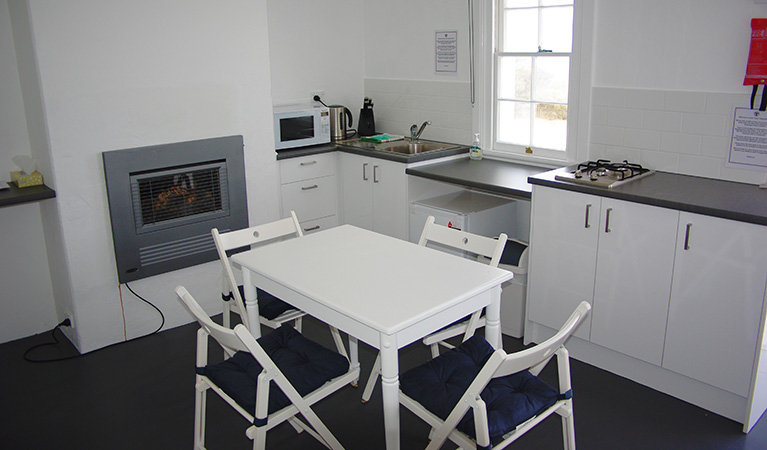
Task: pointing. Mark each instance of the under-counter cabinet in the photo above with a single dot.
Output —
(716, 301)
(375, 194)
(308, 187)
(616, 255)
(677, 297)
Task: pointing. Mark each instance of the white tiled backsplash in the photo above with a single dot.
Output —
(673, 131)
(398, 104)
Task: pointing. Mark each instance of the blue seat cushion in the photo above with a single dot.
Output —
(511, 400)
(306, 364)
(269, 306)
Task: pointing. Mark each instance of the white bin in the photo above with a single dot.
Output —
(514, 294)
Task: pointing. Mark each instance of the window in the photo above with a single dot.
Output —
(534, 71)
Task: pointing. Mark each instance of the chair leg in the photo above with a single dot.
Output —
(568, 430)
(338, 341)
(199, 417)
(259, 438)
(299, 321)
(374, 373)
(227, 322)
(434, 350)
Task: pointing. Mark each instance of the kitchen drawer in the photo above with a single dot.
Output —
(310, 199)
(323, 223)
(307, 167)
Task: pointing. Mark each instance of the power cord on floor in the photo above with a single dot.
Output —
(67, 323)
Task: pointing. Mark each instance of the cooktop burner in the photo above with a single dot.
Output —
(604, 173)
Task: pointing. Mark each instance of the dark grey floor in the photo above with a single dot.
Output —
(140, 395)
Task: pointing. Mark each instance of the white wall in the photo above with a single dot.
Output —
(683, 45)
(667, 78)
(116, 75)
(13, 126)
(317, 46)
(400, 72)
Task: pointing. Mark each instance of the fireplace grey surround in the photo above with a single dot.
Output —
(164, 200)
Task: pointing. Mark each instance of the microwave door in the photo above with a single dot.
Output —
(296, 128)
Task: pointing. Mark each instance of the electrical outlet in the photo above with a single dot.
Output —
(317, 93)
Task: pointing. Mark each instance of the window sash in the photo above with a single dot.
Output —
(556, 108)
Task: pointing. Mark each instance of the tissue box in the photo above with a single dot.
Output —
(25, 180)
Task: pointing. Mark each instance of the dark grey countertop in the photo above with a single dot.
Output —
(370, 151)
(500, 177)
(726, 199)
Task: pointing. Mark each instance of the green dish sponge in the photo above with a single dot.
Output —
(380, 138)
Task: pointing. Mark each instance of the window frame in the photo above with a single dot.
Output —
(579, 103)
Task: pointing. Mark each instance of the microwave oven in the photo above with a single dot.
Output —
(301, 127)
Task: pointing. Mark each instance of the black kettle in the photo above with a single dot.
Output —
(338, 122)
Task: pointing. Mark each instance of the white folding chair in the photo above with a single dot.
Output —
(449, 239)
(273, 312)
(268, 381)
(483, 398)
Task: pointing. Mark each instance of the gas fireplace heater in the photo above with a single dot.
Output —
(164, 200)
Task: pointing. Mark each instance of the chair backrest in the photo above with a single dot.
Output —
(224, 336)
(536, 357)
(252, 236)
(463, 241)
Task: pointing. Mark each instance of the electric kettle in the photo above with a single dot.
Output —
(338, 123)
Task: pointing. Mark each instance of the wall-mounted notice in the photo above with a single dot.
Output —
(749, 139)
(446, 51)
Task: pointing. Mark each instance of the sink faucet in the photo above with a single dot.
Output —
(415, 132)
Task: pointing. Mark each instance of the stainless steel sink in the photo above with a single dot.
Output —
(412, 148)
(404, 147)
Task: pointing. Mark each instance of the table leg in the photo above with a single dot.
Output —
(390, 390)
(251, 304)
(493, 319)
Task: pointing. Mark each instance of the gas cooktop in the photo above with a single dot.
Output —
(605, 174)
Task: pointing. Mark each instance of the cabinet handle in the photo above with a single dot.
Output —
(365, 172)
(607, 220)
(316, 227)
(309, 187)
(587, 224)
(375, 174)
(308, 163)
(687, 237)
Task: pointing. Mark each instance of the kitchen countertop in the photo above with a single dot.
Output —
(499, 177)
(456, 149)
(726, 199)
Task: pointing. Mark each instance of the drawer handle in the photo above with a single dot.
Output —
(308, 163)
(687, 237)
(365, 172)
(375, 174)
(309, 187)
(316, 227)
(587, 224)
(607, 220)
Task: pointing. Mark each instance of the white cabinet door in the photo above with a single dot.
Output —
(375, 194)
(357, 172)
(390, 198)
(564, 232)
(716, 301)
(633, 278)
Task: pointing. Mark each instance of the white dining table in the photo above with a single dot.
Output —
(384, 291)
